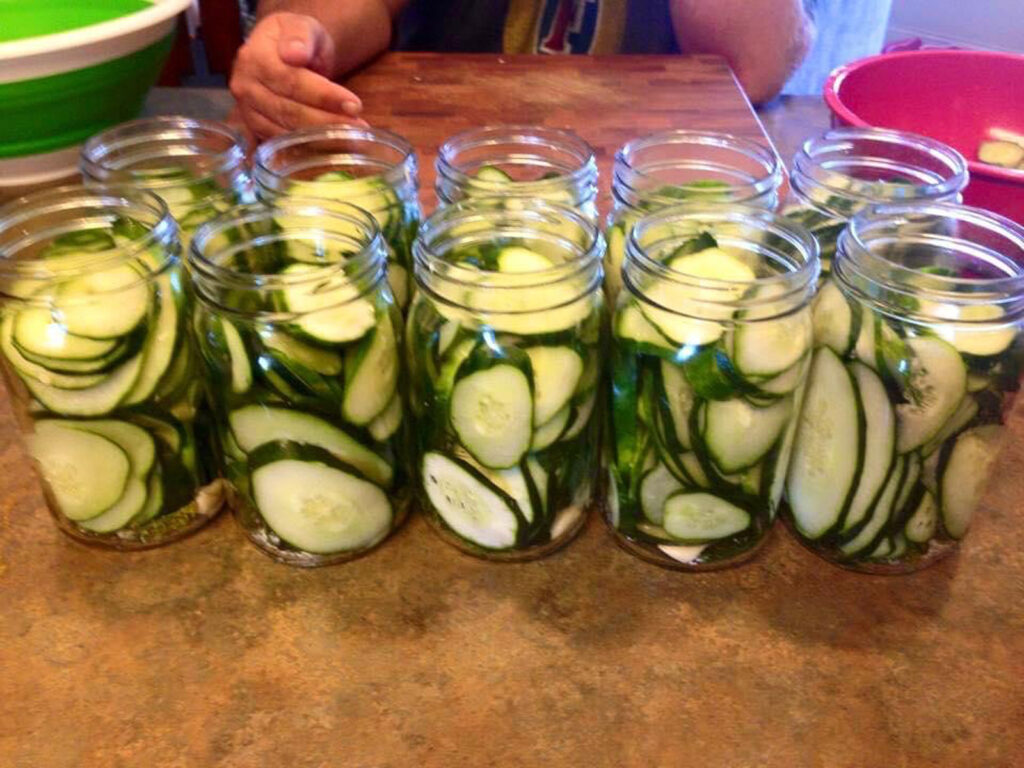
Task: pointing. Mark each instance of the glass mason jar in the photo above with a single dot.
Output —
(504, 342)
(710, 348)
(196, 166)
(367, 167)
(910, 387)
(99, 364)
(301, 337)
(661, 169)
(523, 162)
(845, 170)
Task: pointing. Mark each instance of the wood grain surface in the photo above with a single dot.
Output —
(207, 654)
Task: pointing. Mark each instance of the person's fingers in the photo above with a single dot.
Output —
(261, 125)
(289, 112)
(301, 39)
(305, 87)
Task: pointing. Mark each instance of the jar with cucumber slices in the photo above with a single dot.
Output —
(505, 342)
(845, 170)
(915, 367)
(197, 167)
(710, 349)
(663, 169)
(99, 365)
(518, 162)
(300, 337)
(370, 168)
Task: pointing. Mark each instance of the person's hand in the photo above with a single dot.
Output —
(281, 78)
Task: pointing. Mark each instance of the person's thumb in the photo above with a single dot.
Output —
(303, 42)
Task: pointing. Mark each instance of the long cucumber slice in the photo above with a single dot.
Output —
(965, 475)
(160, 344)
(86, 473)
(833, 320)
(320, 509)
(680, 398)
(922, 525)
(656, 487)
(879, 442)
(241, 370)
(880, 513)
(97, 400)
(131, 503)
(43, 332)
(827, 452)
(697, 518)
(769, 347)
(371, 375)
(738, 434)
(468, 503)
(556, 372)
(552, 430)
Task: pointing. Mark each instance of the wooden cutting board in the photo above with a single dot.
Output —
(606, 99)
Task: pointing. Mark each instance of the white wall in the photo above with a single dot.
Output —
(991, 24)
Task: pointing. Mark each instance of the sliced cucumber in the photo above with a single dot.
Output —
(154, 498)
(908, 485)
(515, 258)
(738, 434)
(241, 371)
(632, 325)
(85, 303)
(963, 416)
(160, 345)
(769, 347)
(468, 503)
(879, 442)
(655, 488)
(387, 422)
(880, 513)
(680, 398)
(97, 400)
(371, 375)
(136, 442)
(323, 361)
(922, 525)
(965, 476)
(320, 509)
(42, 332)
(788, 380)
(131, 503)
(86, 473)
(614, 256)
(827, 452)
(833, 320)
(977, 329)
(556, 372)
(553, 429)
(937, 383)
(493, 174)
(697, 518)
(330, 311)
(580, 417)
(492, 414)
(256, 425)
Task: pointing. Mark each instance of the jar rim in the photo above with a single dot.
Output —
(798, 280)
(429, 263)
(368, 259)
(20, 212)
(94, 157)
(584, 174)
(859, 265)
(628, 174)
(808, 168)
(266, 176)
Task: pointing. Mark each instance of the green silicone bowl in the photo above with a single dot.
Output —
(70, 68)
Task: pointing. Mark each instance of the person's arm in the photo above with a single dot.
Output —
(763, 40)
(282, 77)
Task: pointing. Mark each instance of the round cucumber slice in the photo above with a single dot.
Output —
(319, 509)
(700, 517)
(469, 504)
(86, 473)
(104, 305)
(492, 413)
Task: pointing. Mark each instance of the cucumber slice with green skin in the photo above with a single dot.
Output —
(963, 416)
(614, 256)
(678, 329)
(738, 435)
(256, 425)
(492, 414)
(241, 370)
(556, 373)
(879, 443)
(86, 473)
(909, 485)
(492, 174)
(788, 380)
(370, 193)
(371, 375)
(977, 329)
(924, 523)
(964, 476)
(136, 442)
(469, 503)
(769, 347)
(160, 345)
(656, 487)
(694, 469)
(104, 305)
(864, 347)
(551, 431)
(697, 518)
(580, 417)
(385, 424)
(446, 336)
(937, 383)
(131, 503)
(320, 509)
(42, 332)
(516, 258)
(828, 448)
(154, 498)
(330, 311)
(834, 320)
(25, 367)
(680, 397)
(323, 361)
(451, 363)
(164, 428)
(97, 400)
(123, 349)
(865, 536)
(631, 325)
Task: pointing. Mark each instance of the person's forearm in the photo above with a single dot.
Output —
(360, 28)
(764, 40)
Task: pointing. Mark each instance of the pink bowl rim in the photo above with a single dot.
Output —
(835, 81)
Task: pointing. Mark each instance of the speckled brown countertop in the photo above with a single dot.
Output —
(206, 653)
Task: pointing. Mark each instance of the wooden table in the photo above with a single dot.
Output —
(206, 653)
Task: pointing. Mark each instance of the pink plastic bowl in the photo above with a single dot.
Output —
(954, 96)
